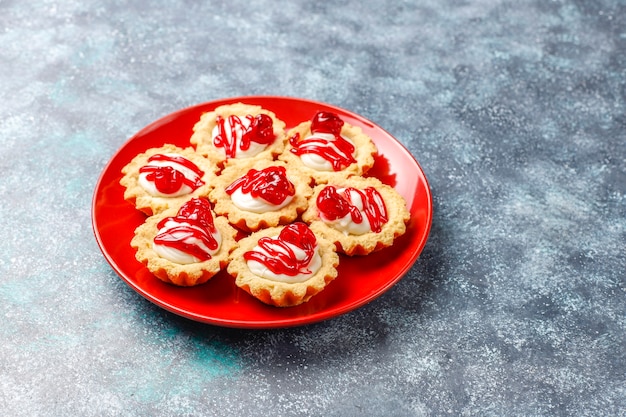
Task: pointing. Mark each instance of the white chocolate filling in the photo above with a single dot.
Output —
(245, 201)
(178, 256)
(315, 161)
(345, 224)
(151, 188)
(239, 129)
(262, 271)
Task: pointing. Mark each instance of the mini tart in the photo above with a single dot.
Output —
(203, 139)
(250, 221)
(175, 273)
(368, 242)
(365, 150)
(280, 293)
(150, 204)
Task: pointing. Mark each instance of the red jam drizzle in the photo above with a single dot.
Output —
(167, 179)
(195, 223)
(280, 257)
(334, 205)
(259, 130)
(271, 184)
(340, 156)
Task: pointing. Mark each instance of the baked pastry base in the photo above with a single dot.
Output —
(202, 138)
(179, 274)
(276, 293)
(249, 221)
(149, 204)
(369, 242)
(364, 147)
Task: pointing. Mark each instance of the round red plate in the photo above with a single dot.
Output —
(219, 301)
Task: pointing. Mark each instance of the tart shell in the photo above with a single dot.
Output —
(149, 204)
(202, 138)
(180, 274)
(369, 242)
(276, 293)
(249, 221)
(364, 147)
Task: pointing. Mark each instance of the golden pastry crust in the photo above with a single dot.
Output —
(179, 274)
(364, 147)
(249, 221)
(277, 293)
(149, 204)
(202, 137)
(397, 212)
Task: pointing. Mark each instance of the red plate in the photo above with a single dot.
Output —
(219, 301)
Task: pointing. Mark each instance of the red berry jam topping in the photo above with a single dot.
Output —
(257, 129)
(278, 254)
(166, 172)
(334, 205)
(337, 150)
(326, 122)
(191, 231)
(271, 184)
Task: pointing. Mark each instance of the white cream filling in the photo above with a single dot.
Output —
(255, 147)
(345, 224)
(315, 161)
(245, 201)
(151, 188)
(262, 271)
(178, 256)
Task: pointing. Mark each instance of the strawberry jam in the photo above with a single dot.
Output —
(257, 129)
(271, 184)
(326, 122)
(169, 180)
(191, 231)
(338, 151)
(279, 255)
(333, 205)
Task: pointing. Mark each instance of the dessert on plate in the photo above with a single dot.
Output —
(359, 215)
(284, 266)
(260, 194)
(164, 177)
(185, 246)
(239, 131)
(299, 199)
(326, 147)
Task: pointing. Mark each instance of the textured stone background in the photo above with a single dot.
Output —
(516, 111)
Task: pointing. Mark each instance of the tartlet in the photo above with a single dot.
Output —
(185, 246)
(260, 194)
(326, 147)
(165, 177)
(284, 266)
(359, 215)
(238, 132)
